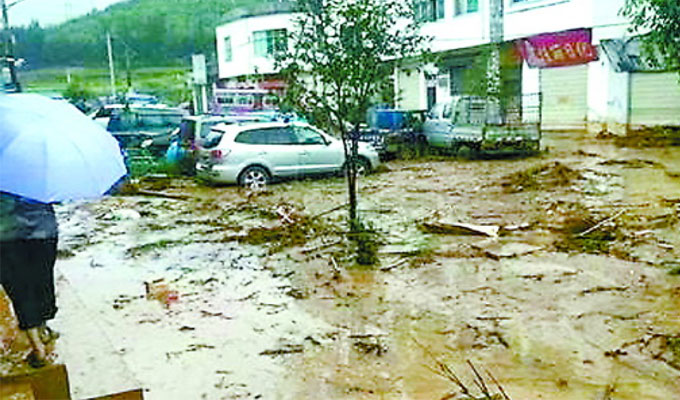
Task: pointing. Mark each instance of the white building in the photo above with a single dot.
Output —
(246, 42)
(597, 94)
(583, 60)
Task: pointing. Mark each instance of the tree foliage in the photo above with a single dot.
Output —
(154, 32)
(659, 23)
(341, 53)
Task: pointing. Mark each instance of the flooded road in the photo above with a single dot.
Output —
(224, 294)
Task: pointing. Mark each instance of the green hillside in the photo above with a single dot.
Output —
(145, 32)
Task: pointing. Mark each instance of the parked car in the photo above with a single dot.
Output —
(390, 130)
(187, 139)
(132, 126)
(254, 154)
(480, 124)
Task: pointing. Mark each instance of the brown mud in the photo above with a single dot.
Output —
(260, 295)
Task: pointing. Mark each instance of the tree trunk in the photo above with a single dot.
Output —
(351, 155)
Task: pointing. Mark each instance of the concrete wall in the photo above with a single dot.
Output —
(608, 97)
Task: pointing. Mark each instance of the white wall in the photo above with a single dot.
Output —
(410, 88)
(607, 23)
(608, 96)
(539, 16)
(531, 87)
(458, 31)
(241, 31)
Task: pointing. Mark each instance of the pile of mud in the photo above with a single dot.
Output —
(656, 136)
(540, 177)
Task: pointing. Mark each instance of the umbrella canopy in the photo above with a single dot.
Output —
(51, 152)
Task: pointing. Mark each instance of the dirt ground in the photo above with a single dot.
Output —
(218, 293)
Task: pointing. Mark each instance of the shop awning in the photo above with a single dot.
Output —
(628, 55)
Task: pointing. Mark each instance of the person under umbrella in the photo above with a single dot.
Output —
(50, 152)
(28, 249)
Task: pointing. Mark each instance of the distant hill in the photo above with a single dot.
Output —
(152, 32)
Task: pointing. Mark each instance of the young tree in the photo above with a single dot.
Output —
(339, 56)
(659, 22)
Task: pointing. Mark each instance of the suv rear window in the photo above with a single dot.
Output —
(212, 139)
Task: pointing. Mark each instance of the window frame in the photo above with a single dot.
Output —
(268, 41)
(430, 10)
(463, 7)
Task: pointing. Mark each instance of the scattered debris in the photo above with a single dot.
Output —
(662, 347)
(513, 228)
(599, 289)
(581, 232)
(633, 163)
(286, 349)
(496, 251)
(281, 236)
(160, 291)
(161, 244)
(600, 224)
(173, 196)
(541, 177)
(394, 265)
(653, 136)
(205, 313)
(459, 228)
(371, 346)
(322, 246)
(123, 215)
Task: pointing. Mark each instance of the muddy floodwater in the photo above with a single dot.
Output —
(218, 293)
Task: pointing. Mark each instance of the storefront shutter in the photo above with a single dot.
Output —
(565, 101)
(655, 99)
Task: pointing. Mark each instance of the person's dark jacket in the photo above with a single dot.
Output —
(24, 219)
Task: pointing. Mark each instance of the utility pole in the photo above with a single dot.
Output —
(112, 72)
(9, 46)
(128, 75)
(496, 33)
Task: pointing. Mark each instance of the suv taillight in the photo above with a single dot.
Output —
(216, 154)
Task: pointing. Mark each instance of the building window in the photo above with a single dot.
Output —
(429, 10)
(227, 49)
(268, 42)
(466, 6)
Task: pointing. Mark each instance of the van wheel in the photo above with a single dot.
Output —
(254, 177)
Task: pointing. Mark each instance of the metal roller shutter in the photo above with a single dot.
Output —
(565, 97)
(655, 99)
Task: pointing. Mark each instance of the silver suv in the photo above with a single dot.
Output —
(255, 153)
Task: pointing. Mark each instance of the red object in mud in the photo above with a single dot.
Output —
(171, 297)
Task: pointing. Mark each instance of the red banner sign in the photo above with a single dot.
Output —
(558, 49)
